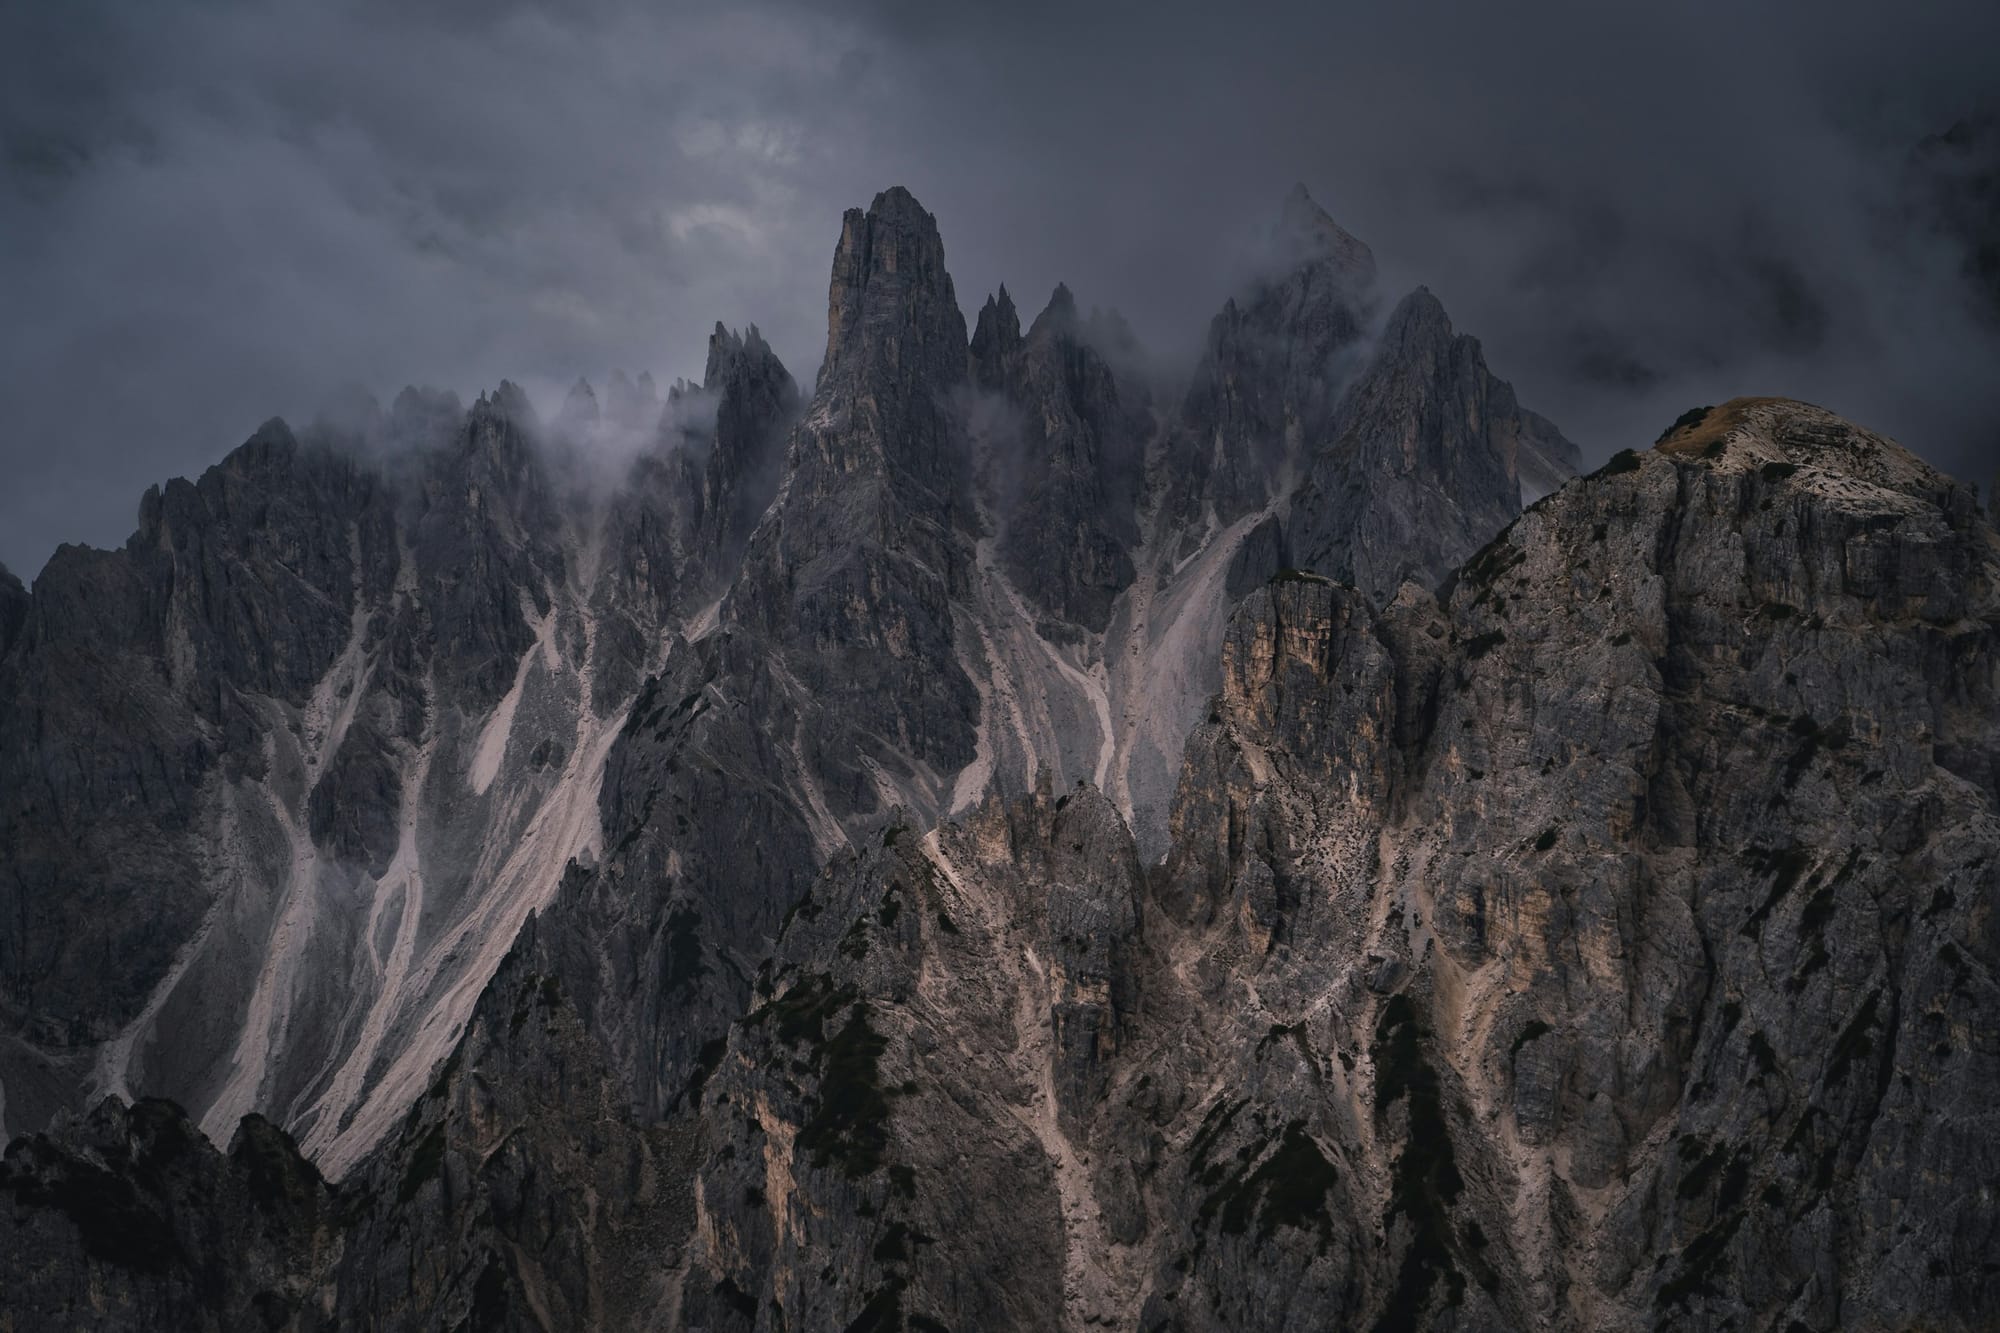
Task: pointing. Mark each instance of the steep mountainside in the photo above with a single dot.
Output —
(985, 846)
(1602, 942)
(285, 775)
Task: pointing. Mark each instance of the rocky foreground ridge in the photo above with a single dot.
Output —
(1296, 908)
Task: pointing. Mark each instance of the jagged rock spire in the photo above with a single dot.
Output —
(852, 572)
(1423, 459)
(995, 339)
(755, 400)
(1306, 235)
(510, 400)
(1059, 313)
(1068, 487)
(890, 305)
(579, 408)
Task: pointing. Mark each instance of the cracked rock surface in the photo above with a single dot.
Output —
(771, 892)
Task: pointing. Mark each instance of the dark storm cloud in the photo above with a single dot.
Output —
(217, 210)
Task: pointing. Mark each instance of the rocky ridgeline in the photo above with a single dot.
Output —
(1296, 907)
(282, 776)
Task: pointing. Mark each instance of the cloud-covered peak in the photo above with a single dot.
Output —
(1306, 234)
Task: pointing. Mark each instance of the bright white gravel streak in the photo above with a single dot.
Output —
(701, 626)
(567, 826)
(493, 736)
(323, 725)
(977, 776)
(1090, 687)
(1164, 652)
(1143, 682)
(267, 1017)
(431, 995)
(403, 883)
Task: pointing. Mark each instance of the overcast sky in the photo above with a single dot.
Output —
(215, 211)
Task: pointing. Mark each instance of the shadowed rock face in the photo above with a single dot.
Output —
(1596, 945)
(1265, 389)
(755, 398)
(824, 871)
(1427, 454)
(1599, 943)
(867, 542)
(1067, 478)
(284, 775)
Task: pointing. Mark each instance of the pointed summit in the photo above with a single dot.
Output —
(995, 340)
(1273, 366)
(754, 401)
(1059, 316)
(423, 415)
(890, 305)
(851, 572)
(579, 408)
(1305, 234)
(1426, 456)
(1418, 322)
(724, 346)
(510, 400)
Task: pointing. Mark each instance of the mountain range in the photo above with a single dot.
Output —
(1006, 838)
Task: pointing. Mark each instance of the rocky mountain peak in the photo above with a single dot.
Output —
(998, 317)
(1424, 451)
(850, 576)
(995, 339)
(724, 347)
(1059, 316)
(1271, 370)
(755, 400)
(920, 859)
(510, 400)
(1069, 517)
(423, 416)
(890, 305)
(1780, 437)
(1418, 320)
(1306, 235)
(734, 356)
(580, 408)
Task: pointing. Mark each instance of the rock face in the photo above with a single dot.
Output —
(853, 576)
(286, 773)
(1623, 866)
(1602, 942)
(1068, 488)
(1429, 453)
(173, 1233)
(944, 854)
(1599, 944)
(1266, 388)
